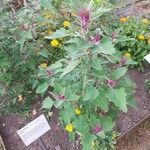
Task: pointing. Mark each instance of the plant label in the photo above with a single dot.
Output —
(34, 130)
(147, 57)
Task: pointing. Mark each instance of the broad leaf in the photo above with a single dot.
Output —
(105, 47)
(59, 34)
(70, 67)
(102, 103)
(67, 114)
(118, 73)
(47, 103)
(107, 123)
(42, 88)
(81, 124)
(91, 93)
(118, 97)
(87, 141)
(43, 53)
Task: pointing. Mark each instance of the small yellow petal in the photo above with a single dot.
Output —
(141, 37)
(123, 19)
(69, 128)
(54, 43)
(127, 55)
(93, 144)
(66, 24)
(43, 65)
(145, 21)
(114, 135)
(77, 111)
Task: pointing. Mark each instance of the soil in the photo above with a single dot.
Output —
(55, 139)
(139, 8)
(138, 139)
(134, 115)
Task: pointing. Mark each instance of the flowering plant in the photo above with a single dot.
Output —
(23, 50)
(138, 45)
(83, 85)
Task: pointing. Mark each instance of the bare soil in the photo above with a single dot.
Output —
(134, 115)
(138, 139)
(54, 139)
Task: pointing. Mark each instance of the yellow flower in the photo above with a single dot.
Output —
(148, 41)
(77, 111)
(20, 98)
(54, 43)
(114, 135)
(43, 65)
(69, 128)
(123, 19)
(127, 55)
(66, 24)
(141, 37)
(93, 144)
(145, 21)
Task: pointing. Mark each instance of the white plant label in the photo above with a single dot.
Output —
(34, 130)
(147, 57)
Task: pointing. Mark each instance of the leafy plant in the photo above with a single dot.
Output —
(147, 82)
(138, 45)
(88, 85)
(23, 50)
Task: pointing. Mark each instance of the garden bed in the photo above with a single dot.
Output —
(87, 113)
(56, 138)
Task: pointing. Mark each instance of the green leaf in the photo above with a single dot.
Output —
(70, 95)
(67, 114)
(70, 67)
(81, 124)
(107, 123)
(46, 4)
(43, 53)
(105, 47)
(96, 64)
(59, 34)
(28, 35)
(91, 93)
(58, 103)
(118, 73)
(87, 140)
(102, 103)
(118, 97)
(102, 134)
(42, 88)
(131, 101)
(47, 103)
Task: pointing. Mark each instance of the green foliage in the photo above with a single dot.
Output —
(88, 84)
(147, 83)
(18, 61)
(23, 49)
(138, 45)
